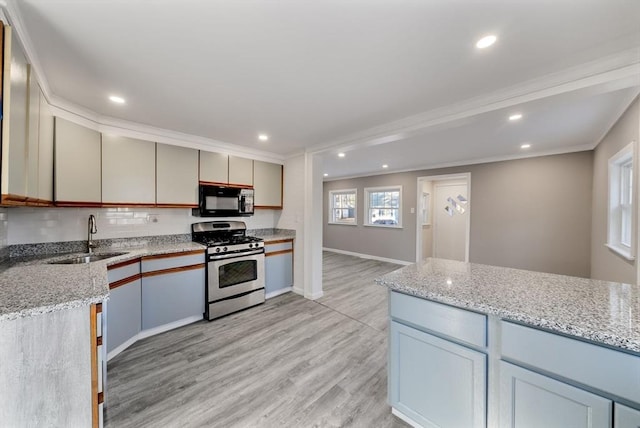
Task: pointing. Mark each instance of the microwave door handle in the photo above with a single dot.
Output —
(242, 203)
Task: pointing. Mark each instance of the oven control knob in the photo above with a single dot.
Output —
(224, 249)
(250, 245)
(217, 250)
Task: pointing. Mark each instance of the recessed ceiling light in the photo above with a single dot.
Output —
(525, 146)
(486, 41)
(263, 137)
(341, 155)
(325, 174)
(116, 99)
(516, 116)
(385, 166)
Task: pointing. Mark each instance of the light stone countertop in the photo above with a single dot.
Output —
(599, 311)
(33, 287)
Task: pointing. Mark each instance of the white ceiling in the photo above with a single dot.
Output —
(394, 81)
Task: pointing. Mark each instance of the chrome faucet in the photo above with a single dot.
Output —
(92, 228)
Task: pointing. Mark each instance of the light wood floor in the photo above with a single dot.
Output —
(288, 363)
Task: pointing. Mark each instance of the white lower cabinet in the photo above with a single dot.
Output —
(172, 289)
(435, 382)
(278, 267)
(124, 314)
(625, 417)
(172, 297)
(529, 399)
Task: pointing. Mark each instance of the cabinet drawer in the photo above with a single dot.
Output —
(602, 368)
(123, 270)
(465, 326)
(172, 260)
(278, 246)
(625, 417)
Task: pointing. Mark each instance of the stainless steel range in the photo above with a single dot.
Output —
(235, 267)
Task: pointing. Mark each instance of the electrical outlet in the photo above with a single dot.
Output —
(152, 218)
(413, 210)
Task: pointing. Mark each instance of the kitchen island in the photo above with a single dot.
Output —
(474, 345)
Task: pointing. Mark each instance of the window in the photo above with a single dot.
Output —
(342, 206)
(384, 206)
(620, 219)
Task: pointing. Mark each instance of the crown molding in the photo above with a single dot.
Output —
(607, 74)
(428, 167)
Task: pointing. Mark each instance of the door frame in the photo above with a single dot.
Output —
(466, 176)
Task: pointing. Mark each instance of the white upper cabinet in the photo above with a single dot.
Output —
(267, 183)
(33, 136)
(77, 164)
(45, 152)
(177, 175)
(214, 167)
(128, 171)
(240, 171)
(15, 119)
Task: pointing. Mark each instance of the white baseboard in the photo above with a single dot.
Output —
(297, 290)
(314, 296)
(405, 418)
(122, 347)
(278, 292)
(152, 332)
(166, 327)
(368, 256)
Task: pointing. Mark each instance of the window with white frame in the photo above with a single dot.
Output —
(383, 206)
(342, 206)
(620, 217)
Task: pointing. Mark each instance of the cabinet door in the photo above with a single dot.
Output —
(177, 175)
(33, 137)
(626, 417)
(435, 382)
(214, 167)
(14, 121)
(528, 399)
(267, 183)
(124, 314)
(171, 297)
(128, 171)
(77, 163)
(45, 152)
(240, 171)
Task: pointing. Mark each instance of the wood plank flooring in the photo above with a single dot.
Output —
(288, 363)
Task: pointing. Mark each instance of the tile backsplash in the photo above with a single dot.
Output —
(35, 225)
(4, 234)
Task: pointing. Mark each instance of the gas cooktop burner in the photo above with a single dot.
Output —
(234, 240)
(225, 237)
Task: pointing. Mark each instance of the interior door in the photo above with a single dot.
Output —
(451, 212)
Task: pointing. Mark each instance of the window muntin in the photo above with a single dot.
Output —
(342, 206)
(383, 206)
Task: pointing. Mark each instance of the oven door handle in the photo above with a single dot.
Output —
(215, 257)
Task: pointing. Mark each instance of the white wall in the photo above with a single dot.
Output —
(292, 215)
(4, 228)
(33, 225)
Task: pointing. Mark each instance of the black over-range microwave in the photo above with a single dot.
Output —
(225, 201)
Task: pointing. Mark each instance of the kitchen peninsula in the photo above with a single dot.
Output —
(476, 345)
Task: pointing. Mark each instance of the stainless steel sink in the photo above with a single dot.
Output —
(85, 258)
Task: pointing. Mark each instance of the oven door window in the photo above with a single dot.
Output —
(237, 272)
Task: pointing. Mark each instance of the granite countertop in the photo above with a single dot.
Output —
(273, 234)
(599, 311)
(31, 286)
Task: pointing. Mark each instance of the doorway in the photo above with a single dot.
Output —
(444, 220)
